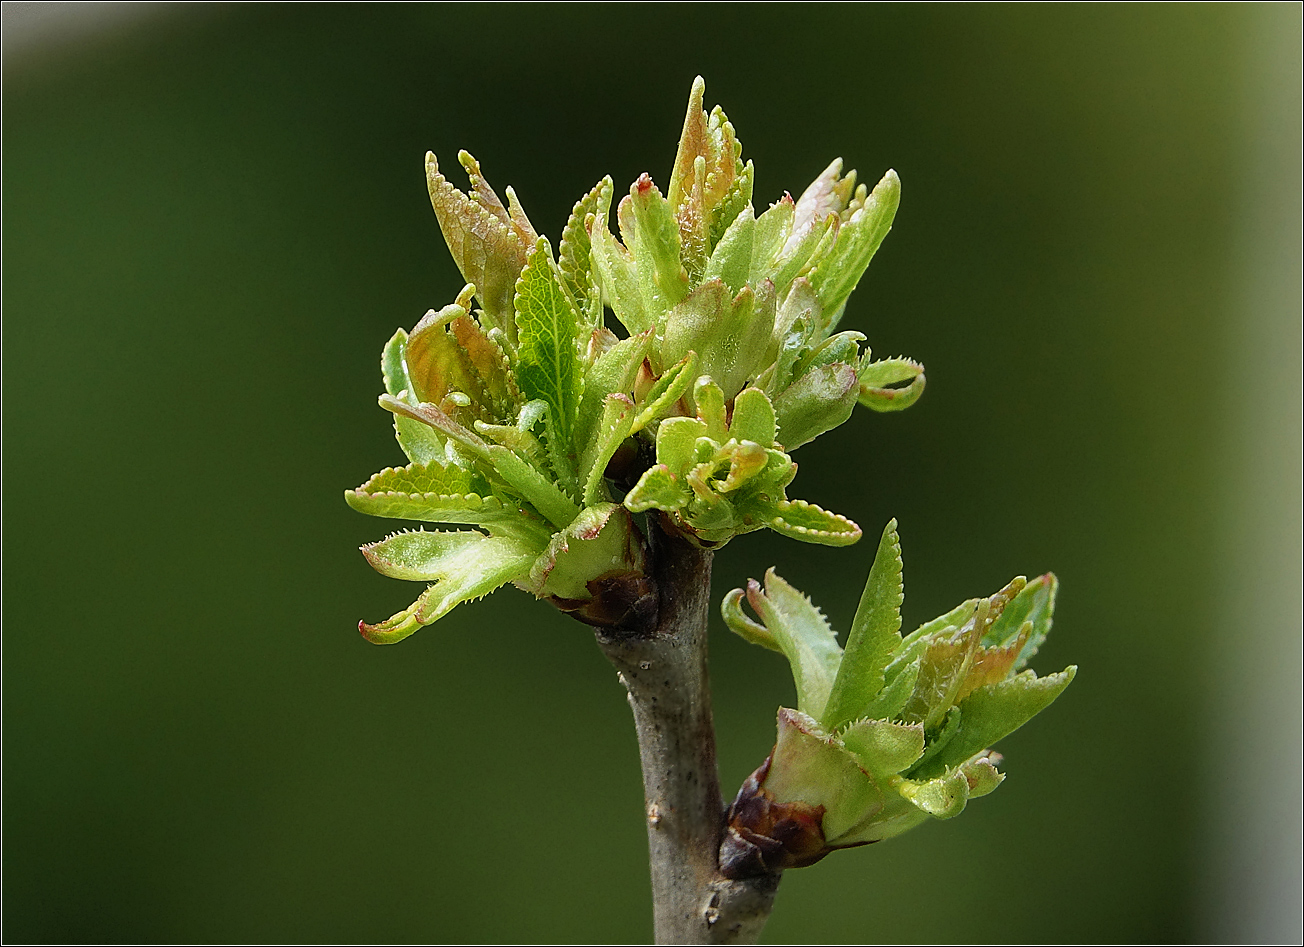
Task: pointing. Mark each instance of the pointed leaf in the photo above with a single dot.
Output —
(875, 635)
(574, 253)
(835, 276)
(824, 197)
(770, 234)
(734, 202)
(997, 710)
(547, 365)
(612, 372)
(486, 248)
(463, 570)
(667, 391)
(650, 231)
(435, 494)
(548, 498)
(803, 635)
(615, 426)
(1035, 604)
(617, 273)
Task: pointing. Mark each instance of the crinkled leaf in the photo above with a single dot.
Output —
(811, 524)
(574, 256)
(874, 636)
(418, 441)
(487, 249)
(448, 352)
(804, 637)
(677, 442)
(876, 377)
(547, 363)
(704, 179)
(463, 569)
(658, 489)
(997, 710)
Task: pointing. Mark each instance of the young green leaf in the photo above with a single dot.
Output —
(997, 710)
(876, 377)
(547, 362)
(818, 401)
(658, 489)
(753, 418)
(804, 637)
(811, 524)
(615, 426)
(1035, 604)
(649, 229)
(419, 442)
(665, 394)
(835, 276)
(612, 372)
(486, 248)
(731, 260)
(875, 635)
(574, 253)
(463, 569)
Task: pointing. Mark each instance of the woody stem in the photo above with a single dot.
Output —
(665, 674)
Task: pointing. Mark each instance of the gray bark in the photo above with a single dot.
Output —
(665, 674)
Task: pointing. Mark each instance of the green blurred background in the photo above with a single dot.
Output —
(215, 216)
